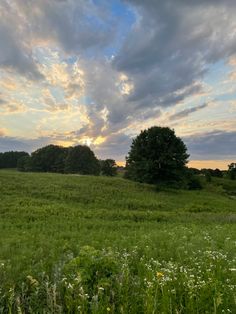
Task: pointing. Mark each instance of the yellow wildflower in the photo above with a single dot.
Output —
(33, 282)
(159, 274)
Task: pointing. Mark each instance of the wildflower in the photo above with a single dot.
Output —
(70, 286)
(159, 274)
(32, 281)
(108, 309)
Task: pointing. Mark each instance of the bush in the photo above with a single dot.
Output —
(108, 167)
(194, 183)
(208, 176)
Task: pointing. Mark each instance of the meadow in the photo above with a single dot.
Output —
(84, 244)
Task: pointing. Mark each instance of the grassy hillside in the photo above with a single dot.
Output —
(80, 244)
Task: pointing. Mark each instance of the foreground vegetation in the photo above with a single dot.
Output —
(83, 244)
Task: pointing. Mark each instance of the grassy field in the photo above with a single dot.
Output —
(81, 244)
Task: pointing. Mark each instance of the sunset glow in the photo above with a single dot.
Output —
(99, 72)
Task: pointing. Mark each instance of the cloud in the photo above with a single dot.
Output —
(3, 132)
(232, 60)
(106, 102)
(8, 143)
(11, 106)
(184, 113)
(15, 54)
(75, 90)
(8, 84)
(115, 146)
(74, 26)
(2, 101)
(232, 76)
(212, 145)
(172, 46)
(51, 104)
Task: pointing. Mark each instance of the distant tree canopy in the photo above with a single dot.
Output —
(108, 167)
(81, 159)
(194, 171)
(212, 172)
(156, 155)
(53, 158)
(24, 164)
(232, 171)
(10, 159)
(50, 158)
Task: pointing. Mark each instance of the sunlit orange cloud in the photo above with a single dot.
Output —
(99, 140)
(64, 143)
(9, 84)
(232, 76)
(3, 132)
(232, 61)
(220, 164)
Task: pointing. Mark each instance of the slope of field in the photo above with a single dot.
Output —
(81, 244)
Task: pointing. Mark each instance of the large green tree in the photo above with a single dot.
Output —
(81, 159)
(156, 155)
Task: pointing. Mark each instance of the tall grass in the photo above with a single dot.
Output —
(73, 244)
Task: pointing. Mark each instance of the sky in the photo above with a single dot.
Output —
(98, 72)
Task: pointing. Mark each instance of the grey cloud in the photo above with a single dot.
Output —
(53, 106)
(103, 91)
(116, 115)
(13, 54)
(116, 146)
(72, 89)
(172, 46)
(106, 93)
(8, 143)
(186, 112)
(2, 102)
(71, 26)
(75, 26)
(212, 145)
(150, 113)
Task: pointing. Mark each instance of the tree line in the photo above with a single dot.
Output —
(10, 159)
(156, 156)
(54, 158)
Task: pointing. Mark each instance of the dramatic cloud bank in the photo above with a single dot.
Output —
(97, 72)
